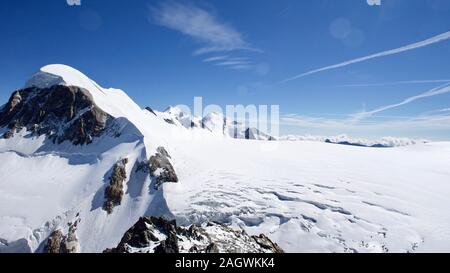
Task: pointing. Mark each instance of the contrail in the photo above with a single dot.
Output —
(433, 92)
(432, 40)
(393, 83)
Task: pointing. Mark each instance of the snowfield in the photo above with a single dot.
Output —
(307, 196)
(319, 197)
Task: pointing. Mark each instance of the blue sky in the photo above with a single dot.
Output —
(250, 52)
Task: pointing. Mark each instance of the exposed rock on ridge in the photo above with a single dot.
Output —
(159, 167)
(57, 242)
(60, 112)
(157, 235)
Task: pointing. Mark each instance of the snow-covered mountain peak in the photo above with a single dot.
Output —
(59, 101)
(214, 116)
(113, 101)
(175, 111)
(59, 74)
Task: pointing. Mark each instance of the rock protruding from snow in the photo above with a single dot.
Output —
(60, 112)
(114, 191)
(158, 235)
(150, 110)
(54, 242)
(255, 134)
(57, 242)
(159, 168)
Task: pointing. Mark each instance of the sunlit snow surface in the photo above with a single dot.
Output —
(310, 196)
(307, 196)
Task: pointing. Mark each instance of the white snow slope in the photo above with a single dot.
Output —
(306, 196)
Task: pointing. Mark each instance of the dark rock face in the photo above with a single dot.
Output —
(69, 243)
(114, 191)
(57, 242)
(266, 243)
(212, 248)
(54, 242)
(157, 235)
(170, 245)
(60, 112)
(147, 231)
(159, 167)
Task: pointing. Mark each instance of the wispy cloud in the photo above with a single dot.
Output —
(242, 66)
(438, 111)
(201, 25)
(430, 93)
(438, 121)
(232, 63)
(427, 42)
(393, 83)
(372, 120)
(215, 58)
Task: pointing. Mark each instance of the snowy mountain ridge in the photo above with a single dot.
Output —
(214, 123)
(219, 125)
(347, 140)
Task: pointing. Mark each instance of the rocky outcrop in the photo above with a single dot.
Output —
(60, 112)
(69, 243)
(159, 168)
(158, 235)
(54, 242)
(169, 121)
(57, 242)
(150, 110)
(114, 191)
